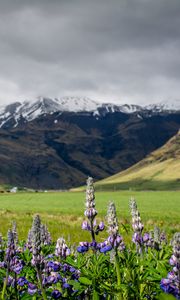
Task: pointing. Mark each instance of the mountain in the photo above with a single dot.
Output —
(17, 113)
(56, 143)
(159, 170)
(21, 112)
(164, 106)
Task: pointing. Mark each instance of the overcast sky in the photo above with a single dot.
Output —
(108, 50)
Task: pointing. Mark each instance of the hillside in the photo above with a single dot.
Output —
(159, 170)
(58, 143)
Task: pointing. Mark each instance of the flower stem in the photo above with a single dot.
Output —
(4, 286)
(119, 297)
(15, 287)
(95, 295)
(92, 231)
(40, 284)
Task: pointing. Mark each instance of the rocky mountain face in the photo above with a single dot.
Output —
(18, 113)
(57, 143)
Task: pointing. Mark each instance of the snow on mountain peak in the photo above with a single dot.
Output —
(29, 110)
(32, 109)
(76, 104)
(164, 106)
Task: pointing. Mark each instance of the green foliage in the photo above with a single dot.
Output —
(123, 275)
(140, 275)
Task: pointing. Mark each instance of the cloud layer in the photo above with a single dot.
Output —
(118, 50)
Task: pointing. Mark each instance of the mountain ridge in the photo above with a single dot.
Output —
(59, 150)
(16, 113)
(56, 143)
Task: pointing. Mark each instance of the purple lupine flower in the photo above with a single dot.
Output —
(146, 237)
(11, 262)
(171, 284)
(92, 245)
(3, 264)
(37, 259)
(154, 239)
(62, 249)
(157, 241)
(14, 231)
(45, 235)
(106, 249)
(101, 245)
(54, 265)
(53, 278)
(166, 286)
(147, 240)
(86, 244)
(90, 211)
(22, 281)
(86, 226)
(10, 281)
(163, 238)
(114, 240)
(99, 227)
(56, 294)
(72, 269)
(137, 226)
(82, 249)
(32, 289)
(16, 265)
(66, 285)
(65, 267)
(10, 251)
(137, 238)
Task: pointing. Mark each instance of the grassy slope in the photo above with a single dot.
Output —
(160, 170)
(64, 212)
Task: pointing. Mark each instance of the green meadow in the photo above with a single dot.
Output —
(63, 212)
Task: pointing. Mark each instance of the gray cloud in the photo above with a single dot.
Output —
(118, 50)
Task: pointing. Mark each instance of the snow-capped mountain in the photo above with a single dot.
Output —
(164, 106)
(32, 109)
(56, 143)
(28, 110)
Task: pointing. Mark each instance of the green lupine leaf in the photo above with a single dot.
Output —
(166, 297)
(85, 280)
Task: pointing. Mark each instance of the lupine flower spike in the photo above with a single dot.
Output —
(90, 224)
(45, 235)
(171, 284)
(137, 226)
(90, 211)
(10, 254)
(114, 240)
(14, 231)
(62, 249)
(37, 259)
(36, 243)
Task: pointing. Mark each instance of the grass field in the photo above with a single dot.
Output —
(63, 212)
